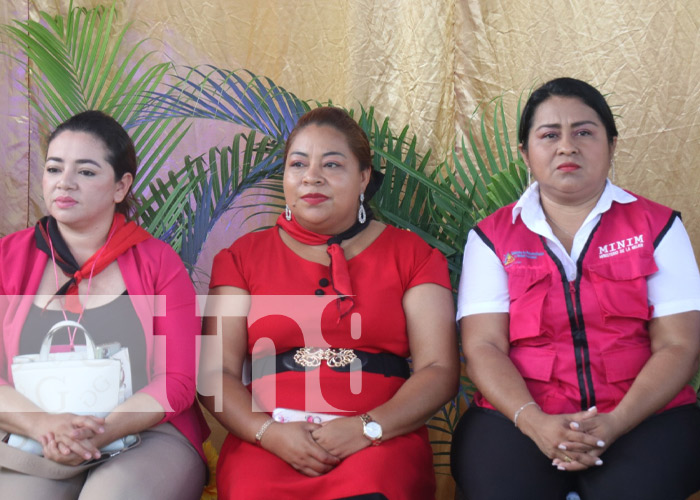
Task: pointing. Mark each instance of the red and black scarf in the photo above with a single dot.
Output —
(123, 235)
(340, 278)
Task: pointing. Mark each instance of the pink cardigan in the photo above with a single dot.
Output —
(164, 300)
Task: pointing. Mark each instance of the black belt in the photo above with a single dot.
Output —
(341, 360)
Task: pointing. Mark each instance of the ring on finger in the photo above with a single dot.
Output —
(567, 459)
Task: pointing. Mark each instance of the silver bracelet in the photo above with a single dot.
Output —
(517, 413)
(262, 430)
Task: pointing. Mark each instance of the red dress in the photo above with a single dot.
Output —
(289, 311)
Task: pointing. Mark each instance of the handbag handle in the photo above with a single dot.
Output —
(48, 339)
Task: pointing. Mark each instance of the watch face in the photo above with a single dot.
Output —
(373, 430)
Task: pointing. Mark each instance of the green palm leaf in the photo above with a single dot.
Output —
(239, 97)
(74, 69)
(183, 209)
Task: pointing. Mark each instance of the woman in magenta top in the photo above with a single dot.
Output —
(579, 308)
(87, 262)
(325, 285)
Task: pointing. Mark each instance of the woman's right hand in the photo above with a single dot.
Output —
(59, 453)
(293, 443)
(486, 345)
(550, 432)
(70, 434)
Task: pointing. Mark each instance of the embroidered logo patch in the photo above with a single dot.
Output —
(513, 257)
(621, 246)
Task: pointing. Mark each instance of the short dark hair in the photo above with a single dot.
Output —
(566, 87)
(121, 153)
(340, 120)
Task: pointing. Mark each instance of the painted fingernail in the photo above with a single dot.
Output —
(601, 443)
(87, 456)
(575, 425)
(599, 462)
(561, 467)
(562, 447)
(592, 408)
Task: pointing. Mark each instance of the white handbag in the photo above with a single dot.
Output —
(84, 382)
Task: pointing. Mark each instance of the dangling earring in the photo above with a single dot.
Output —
(287, 213)
(612, 170)
(529, 177)
(361, 214)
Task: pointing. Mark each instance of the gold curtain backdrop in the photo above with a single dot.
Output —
(427, 64)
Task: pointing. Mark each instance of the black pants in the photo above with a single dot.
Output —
(658, 460)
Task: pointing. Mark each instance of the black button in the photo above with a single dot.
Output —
(324, 282)
(320, 292)
(342, 297)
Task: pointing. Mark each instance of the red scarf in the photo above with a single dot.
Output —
(340, 278)
(122, 236)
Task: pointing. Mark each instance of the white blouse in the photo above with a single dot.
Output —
(483, 287)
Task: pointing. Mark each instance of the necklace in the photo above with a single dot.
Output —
(71, 335)
(559, 227)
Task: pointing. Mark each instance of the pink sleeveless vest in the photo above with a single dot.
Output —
(581, 343)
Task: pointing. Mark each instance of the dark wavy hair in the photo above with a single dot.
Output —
(358, 142)
(340, 120)
(121, 153)
(566, 87)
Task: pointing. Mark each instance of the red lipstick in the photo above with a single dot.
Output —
(314, 198)
(568, 167)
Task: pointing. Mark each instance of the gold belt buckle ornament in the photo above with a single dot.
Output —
(311, 357)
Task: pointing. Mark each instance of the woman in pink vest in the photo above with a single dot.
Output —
(579, 311)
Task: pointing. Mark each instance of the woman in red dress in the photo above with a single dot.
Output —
(333, 304)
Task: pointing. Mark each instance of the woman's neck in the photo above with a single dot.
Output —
(351, 247)
(565, 219)
(566, 212)
(326, 229)
(83, 244)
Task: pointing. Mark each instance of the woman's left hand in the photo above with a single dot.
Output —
(604, 426)
(341, 437)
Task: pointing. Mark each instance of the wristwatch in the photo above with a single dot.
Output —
(371, 429)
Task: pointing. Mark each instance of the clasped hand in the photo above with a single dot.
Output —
(71, 439)
(574, 441)
(315, 449)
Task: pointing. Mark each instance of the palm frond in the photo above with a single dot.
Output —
(183, 209)
(73, 59)
(240, 97)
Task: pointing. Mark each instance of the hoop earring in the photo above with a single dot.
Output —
(287, 213)
(361, 213)
(612, 170)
